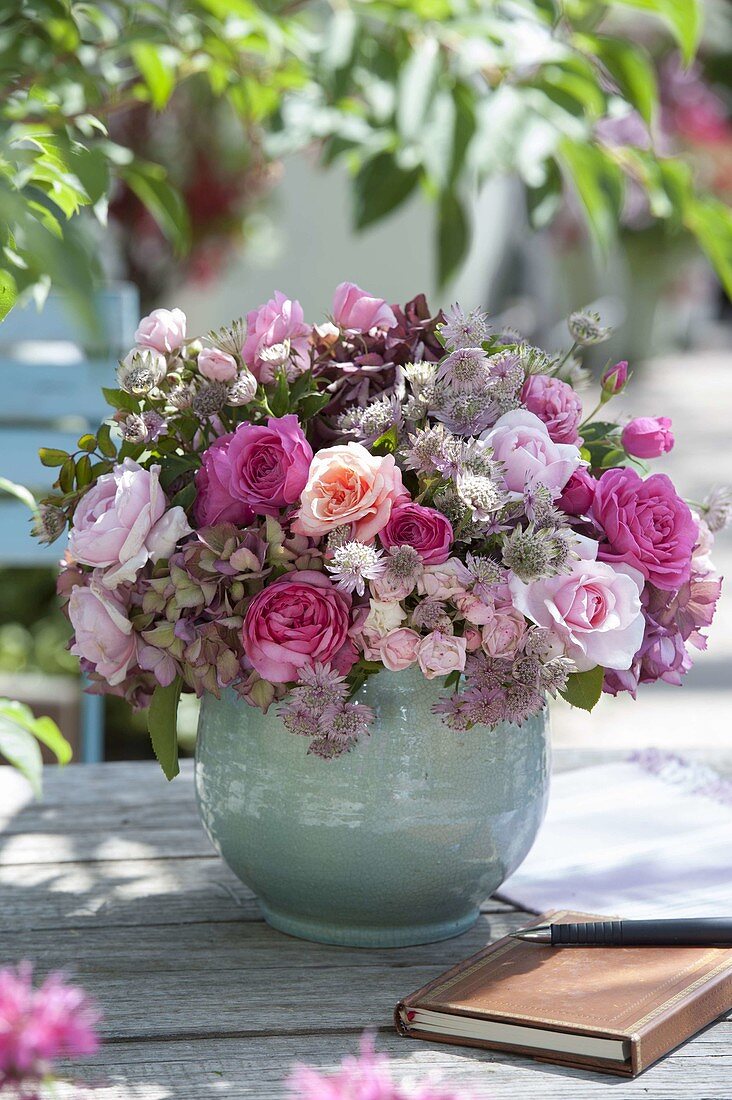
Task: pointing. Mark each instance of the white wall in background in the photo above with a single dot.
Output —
(305, 246)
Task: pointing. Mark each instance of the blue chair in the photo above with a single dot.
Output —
(52, 376)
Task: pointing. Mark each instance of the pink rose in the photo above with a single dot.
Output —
(579, 492)
(162, 330)
(556, 403)
(613, 379)
(473, 609)
(217, 365)
(298, 620)
(124, 521)
(502, 635)
(279, 320)
(440, 654)
(648, 436)
(355, 311)
(398, 648)
(530, 456)
(103, 634)
(425, 529)
(214, 502)
(594, 609)
(258, 471)
(646, 524)
(349, 486)
(448, 581)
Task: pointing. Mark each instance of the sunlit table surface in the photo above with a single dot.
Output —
(112, 878)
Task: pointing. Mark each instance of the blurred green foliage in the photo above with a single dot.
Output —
(33, 631)
(430, 95)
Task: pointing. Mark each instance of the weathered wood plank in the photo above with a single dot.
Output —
(257, 1068)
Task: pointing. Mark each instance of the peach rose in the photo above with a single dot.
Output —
(348, 485)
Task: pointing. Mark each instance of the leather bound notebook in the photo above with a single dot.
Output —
(615, 1009)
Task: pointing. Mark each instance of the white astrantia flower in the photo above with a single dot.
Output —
(353, 564)
(464, 330)
(141, 371)
(586, 329)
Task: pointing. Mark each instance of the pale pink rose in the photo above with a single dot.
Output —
(398, 648)
(440, 654)
(217, 365)
(279, 320)
(356, 311)
(520, 441)
(387, 587)
(103, 634)
(448, 581)
(473, 638)
(594, 609)
(162, 330)
(473, 609)
(124, 521)
(503, 632)
(299, 619)
(347, 485)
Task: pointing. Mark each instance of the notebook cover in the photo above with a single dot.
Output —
(653, 997)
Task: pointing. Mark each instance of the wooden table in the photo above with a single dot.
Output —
(112, 877)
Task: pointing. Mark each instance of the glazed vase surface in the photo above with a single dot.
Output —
(397, 841)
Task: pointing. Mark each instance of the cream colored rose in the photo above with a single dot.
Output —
(348, 485)
(383, 616)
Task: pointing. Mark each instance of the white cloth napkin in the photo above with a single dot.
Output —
(648, 836)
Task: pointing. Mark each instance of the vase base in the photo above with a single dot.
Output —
(367, 935)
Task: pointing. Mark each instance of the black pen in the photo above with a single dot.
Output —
(689, 932)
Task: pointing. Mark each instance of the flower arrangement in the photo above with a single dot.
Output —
(285, 509)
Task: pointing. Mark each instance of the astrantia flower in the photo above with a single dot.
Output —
(433, 450)
(464, 330)
(210, 399)
(353, 564)
(718, 509)
(432, 615)
(243, 389)
(539, 506)
(465, 369)
(366, 425)
(533, 553)
(319, 686)
(229, 338)
(482, 496)
(485, 570)
(141, 371)
(49, 524)
(465, 413)
(586, 329)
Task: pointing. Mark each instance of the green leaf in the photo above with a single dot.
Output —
(279, 397)
(311, 405)
(83, 472)
(380, 187)
(544, 201)
(584, 688)
(387, 443)
(159, 76)
(67, 476)
(8, 293)
(632, 69)
(104, 441)
(20, 732)
(88, 443)
(417, 83)
(710, 220)
(598, 183)
(162, 724)
(150, 184)
(118, 399)
(453, 236)
(49, 456)
(684, 17)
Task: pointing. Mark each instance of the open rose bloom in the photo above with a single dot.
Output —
(299, 504)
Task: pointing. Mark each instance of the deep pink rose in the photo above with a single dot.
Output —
(614, 378)
(103, 634)
(162, 330)
(425, 529)
(123, 521)
(356, 311)
(217, 365)
(579, 492)
(556, 403)
(648, 436)
(646, 524)
(298, 620)
(261, 469)
(278, 320)
(214, 500)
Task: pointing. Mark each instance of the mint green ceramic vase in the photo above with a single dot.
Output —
(397, 841)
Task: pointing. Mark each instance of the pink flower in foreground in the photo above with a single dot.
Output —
(217, 365)
(556, 403)
(579, 492)
(214, 500)
(398, 648)
(356, 311)
(38, 1026)
(123, 521)
(162, 330)
(298, 620)
(365, 1077)
(425, 529)
(279, 320)
(103, 634)
(647, 525)
(648, 436)
(348, 486)
(530, 456)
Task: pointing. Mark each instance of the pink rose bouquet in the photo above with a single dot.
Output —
(284, 509)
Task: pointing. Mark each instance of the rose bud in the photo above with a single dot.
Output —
(648, 436)
(614, 379)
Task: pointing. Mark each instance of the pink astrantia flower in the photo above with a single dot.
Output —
(278, 321)
(299, 619)
(556, 404)
(647, 525)
(648, 436)
(348, 486)
(594, 609)
(162, 330)
(521, 442)
(40, 1025)
(356, 311)
(425, 529)
(103, 633)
